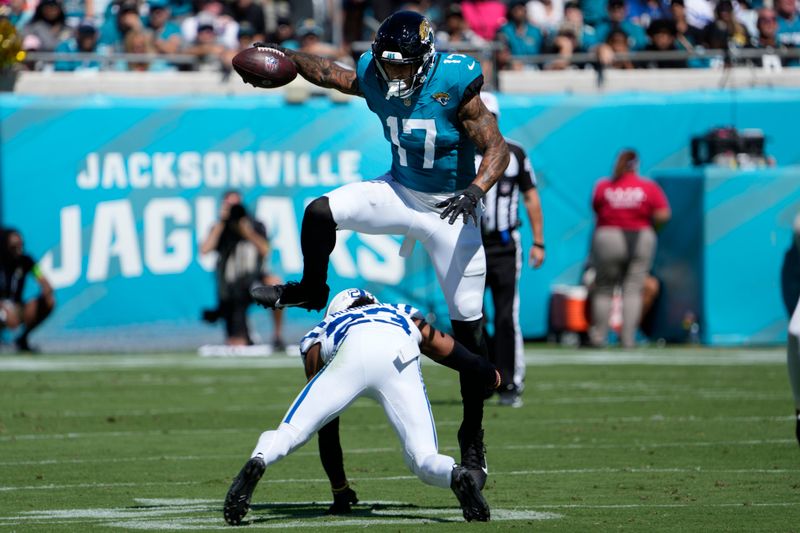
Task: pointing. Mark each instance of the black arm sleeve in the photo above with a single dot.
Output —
(330, 453)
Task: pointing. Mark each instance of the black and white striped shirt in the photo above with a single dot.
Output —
(502, 201)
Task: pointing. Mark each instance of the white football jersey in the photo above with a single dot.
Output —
(332, 331)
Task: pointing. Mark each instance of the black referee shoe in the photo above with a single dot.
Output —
(472, 502)
(237, 501)
(292, 294)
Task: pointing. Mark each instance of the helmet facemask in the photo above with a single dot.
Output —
(404, 87)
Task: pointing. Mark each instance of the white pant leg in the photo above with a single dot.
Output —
(323, 398)
(395, 381)
(384, 207)
(372, 207)
(458, 258)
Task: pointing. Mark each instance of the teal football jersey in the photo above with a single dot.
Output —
(430, 152)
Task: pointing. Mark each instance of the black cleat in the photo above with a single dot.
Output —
(237, 501)
(292, 294)
(473, 457)
(469, 495)
(342, 500)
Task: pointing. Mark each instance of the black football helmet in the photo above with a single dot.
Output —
(404, 38)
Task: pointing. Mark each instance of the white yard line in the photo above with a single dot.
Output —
(535, 357)
(534, 472)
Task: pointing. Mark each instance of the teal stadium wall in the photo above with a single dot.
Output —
(115, 194)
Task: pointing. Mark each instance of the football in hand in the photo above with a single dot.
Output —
(264, 67)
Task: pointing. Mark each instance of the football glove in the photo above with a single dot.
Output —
(463, 205)
(342, 500)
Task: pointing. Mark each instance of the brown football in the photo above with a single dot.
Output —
(265, 67)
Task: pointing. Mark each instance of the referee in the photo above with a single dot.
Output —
(501, 241)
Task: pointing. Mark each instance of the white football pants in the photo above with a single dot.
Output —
(381, 362)
(384, 207)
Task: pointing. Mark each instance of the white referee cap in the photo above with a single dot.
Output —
(490, 101)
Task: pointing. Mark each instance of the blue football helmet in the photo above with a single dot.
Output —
(404, 38)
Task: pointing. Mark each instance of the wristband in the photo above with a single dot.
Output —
(539, 245)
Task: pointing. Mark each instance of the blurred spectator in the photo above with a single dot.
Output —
(594, 11)
(14, 312)
(208, 48)
(484, 17)
(564, 44)
(725, 31)
(250, 12)
(617, 12)
(124, 19)
(47, 28)
(141, 42)
(310, 38)
(612, 53)
(699, 12)
(353, 25)
(456, 30)
(687, 36)
(545, 14)
(85, 41)
(663, 38)
(284, 34)
(767, 40)
(627, 207)
(241, 244)
(224, 28)
(642, 12)
(573, 21)
(246, 36)
(788, 22)
(519, 36)
(20, 12)
(166, 34)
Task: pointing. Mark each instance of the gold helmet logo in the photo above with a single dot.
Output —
(424, 30)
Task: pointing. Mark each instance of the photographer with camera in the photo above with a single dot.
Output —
(241, 244)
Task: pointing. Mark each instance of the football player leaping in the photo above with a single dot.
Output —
(365, 348)
(431, 114)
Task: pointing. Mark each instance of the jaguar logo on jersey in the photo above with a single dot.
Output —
(424, 30)
(442, 98)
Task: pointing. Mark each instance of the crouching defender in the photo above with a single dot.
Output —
(365, 348)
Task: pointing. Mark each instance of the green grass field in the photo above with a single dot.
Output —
(655, 440)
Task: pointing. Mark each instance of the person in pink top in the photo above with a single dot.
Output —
(629, 208)
(484, 17)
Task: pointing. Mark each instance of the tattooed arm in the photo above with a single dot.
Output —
(325, 72)
(481, 127)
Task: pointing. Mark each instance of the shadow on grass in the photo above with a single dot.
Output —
(269, 512)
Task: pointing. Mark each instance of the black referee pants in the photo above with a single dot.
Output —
(502, 273)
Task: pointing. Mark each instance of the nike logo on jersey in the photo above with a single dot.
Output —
(472, 66)
(400, 365)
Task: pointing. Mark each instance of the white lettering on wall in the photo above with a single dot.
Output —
(114, 235)
(167, 252)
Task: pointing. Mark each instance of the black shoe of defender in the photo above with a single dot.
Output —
(473, 457)
(469, 496)
(237, 501)
(292, 294)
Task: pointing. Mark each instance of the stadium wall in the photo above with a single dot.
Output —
(114, 195)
